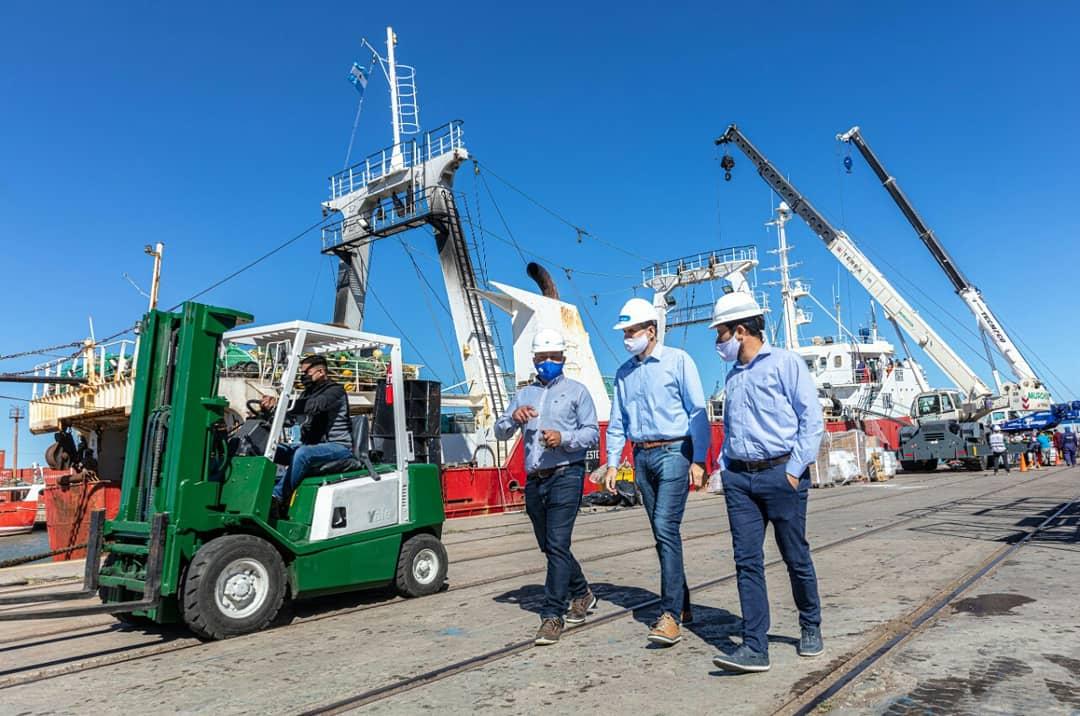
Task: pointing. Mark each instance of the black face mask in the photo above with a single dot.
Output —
(305, 380)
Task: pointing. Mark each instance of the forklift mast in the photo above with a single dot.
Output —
(175, 443)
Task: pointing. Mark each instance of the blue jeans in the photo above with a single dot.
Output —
(753, 500)
(301, 459)
(662, 475)
(552, 504)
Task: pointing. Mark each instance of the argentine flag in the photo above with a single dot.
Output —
(358, 78)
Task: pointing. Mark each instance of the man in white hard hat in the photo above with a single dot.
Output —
(659, 406)
(998, 450)
(558, 420)
(772, 429)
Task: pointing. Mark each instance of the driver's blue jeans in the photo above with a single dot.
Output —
(301, 459)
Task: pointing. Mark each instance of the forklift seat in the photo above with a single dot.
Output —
(359, 459)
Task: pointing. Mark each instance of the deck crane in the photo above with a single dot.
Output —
(1033, 395)
(844, 249)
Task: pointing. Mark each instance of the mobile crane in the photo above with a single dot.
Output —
(1030, 393)
(947, 420)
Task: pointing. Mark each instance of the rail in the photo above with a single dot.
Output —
(388, 216)
(698, 262)
(104, 363)
(403, 155)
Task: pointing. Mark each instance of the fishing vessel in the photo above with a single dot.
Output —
(19, 506)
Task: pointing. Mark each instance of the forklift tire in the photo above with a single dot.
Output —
(234, 585)
(421, 568)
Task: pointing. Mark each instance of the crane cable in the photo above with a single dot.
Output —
(581, 231)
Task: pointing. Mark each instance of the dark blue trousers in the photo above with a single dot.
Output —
(755, 499)
(552, 504)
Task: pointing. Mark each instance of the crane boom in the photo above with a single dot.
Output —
(988, 323)
(864, 271)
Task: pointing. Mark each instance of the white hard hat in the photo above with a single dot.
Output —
(548, 340)
(635, 311)
(732, 306)
(997, 428)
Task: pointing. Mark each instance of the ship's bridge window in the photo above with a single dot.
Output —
(838, 361)
(810, 364)
(824, 362)
(929, 405)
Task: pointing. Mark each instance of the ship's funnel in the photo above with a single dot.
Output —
(529, 313)
(543, 279)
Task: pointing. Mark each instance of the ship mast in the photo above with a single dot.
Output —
(790, 291)
(404, 186)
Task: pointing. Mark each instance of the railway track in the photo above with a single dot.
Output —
(901, 630)
(173, 640)
(433, 676)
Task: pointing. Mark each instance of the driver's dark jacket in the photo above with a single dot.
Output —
(322, 411)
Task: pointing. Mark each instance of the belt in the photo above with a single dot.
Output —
(548, 472)
(650, 444)
(736, 465)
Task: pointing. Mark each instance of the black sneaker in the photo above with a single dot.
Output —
(278, 509)
(580, 608)
(549, 632)
(743, 660)
(810, 643)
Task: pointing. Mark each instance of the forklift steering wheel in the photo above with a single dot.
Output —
(257, 410)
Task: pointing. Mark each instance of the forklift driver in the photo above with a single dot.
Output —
(325, 430)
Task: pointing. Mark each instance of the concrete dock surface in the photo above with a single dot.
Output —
(941, 593)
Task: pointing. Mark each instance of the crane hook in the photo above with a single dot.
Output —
(847, 164)
(727, 163)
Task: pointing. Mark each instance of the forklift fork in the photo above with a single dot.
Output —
(151, 598)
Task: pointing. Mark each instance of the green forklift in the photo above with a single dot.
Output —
(195, 540)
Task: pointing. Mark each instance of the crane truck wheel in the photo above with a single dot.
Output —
(421, 568)
(234, 585)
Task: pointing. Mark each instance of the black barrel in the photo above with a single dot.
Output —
(423, 404)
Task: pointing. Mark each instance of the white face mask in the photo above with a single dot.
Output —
(637, 344)
(729, 349)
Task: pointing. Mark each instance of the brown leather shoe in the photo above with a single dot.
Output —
(549, 632)
(665, 631)
(580, 608)
(687, 616)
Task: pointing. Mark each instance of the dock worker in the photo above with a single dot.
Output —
(558, 419)
(772, 430)
(322, 411)
(1068, 446)
(659, 406)
(998, 452)
(1044, 448)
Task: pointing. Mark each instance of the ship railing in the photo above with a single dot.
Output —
(697, 262)
(389, 215)
(111, 362)
(403, 155)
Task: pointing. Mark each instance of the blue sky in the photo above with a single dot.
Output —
(213, 127)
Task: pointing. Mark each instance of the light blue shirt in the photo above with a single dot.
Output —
(659, 398)
(564, 405)
(771, 408)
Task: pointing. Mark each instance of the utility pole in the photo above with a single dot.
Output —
(16, 414)
(156, 251)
